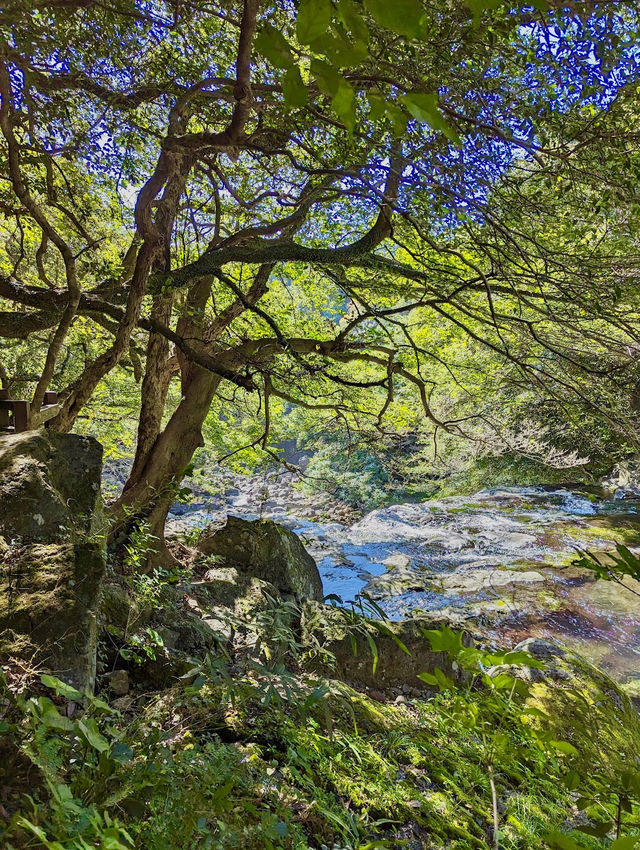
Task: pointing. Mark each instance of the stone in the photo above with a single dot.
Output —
(52, 568)
(265, 550)
(550, 654)
(116, 606)
(119, 682)
(49, 486)
(347, 640)
(397, 561)
(623, 480)
(473, 579)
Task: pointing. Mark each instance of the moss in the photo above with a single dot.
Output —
(354, 769)
(48, 596)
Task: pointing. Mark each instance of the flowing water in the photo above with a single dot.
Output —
(500, 558)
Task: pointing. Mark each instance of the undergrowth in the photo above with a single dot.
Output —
(257, 753)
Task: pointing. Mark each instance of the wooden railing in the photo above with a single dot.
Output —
(16, 415)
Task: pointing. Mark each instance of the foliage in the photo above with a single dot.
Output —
(258, 753)
(414, 224)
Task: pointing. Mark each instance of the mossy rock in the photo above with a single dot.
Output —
(585, 707)
(48, 608)
(51, 552)
(375, 654)
(49, 487)
(265, 550)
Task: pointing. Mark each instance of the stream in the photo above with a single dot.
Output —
(500, 559)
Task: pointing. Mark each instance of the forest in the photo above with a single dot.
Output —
(319, 424)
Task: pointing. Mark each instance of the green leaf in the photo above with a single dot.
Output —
(564, 747)
(378, 108)
(424, 108)
(294, 90)
(572, 780)
(385, 630)
(439, 678)
(326, 76)
(52, 718)
(626, 842)
(522, 658)
(477, 7)
(89, 729)
(501, 682)
(560, 841)
(340, 52)
(445, 640)
(313, 20)
(374, 652)
(61, 688)
(344, 105)
(353, 20)
(401, 16)
(275, 47)
(122, 753)
(597, 830)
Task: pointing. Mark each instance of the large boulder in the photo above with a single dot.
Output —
(380, 655)
(623, 480)
(49, 486)
(265, 550)
(53, 553)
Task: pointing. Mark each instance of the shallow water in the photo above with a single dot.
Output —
(500, 558)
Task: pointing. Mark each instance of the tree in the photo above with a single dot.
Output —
(271, 195)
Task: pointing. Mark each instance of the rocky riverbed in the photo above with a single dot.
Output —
(500, 559)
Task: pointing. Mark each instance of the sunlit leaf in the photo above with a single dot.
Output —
(313, 19)
(401, 16)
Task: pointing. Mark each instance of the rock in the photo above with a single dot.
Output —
(49, 486)
(347, 640)
(265, 550)
(116, 606)
(397, 561)
(51, 572)
(474, 579)
(623, 480)
(543, 650)
(119, 682)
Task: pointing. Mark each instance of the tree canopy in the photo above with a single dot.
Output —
(397, 217)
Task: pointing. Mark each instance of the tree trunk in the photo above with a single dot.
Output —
(151, 493)
(155, 385)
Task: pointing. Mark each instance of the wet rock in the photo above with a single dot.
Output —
(476, 579)
(265, 550)
(397, 561)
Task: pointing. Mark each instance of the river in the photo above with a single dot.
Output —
(500, 559)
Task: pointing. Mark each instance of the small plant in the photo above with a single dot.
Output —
(75, 760)
(612, 566)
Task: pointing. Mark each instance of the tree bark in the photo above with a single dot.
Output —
(155, 385)
(150, 494)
